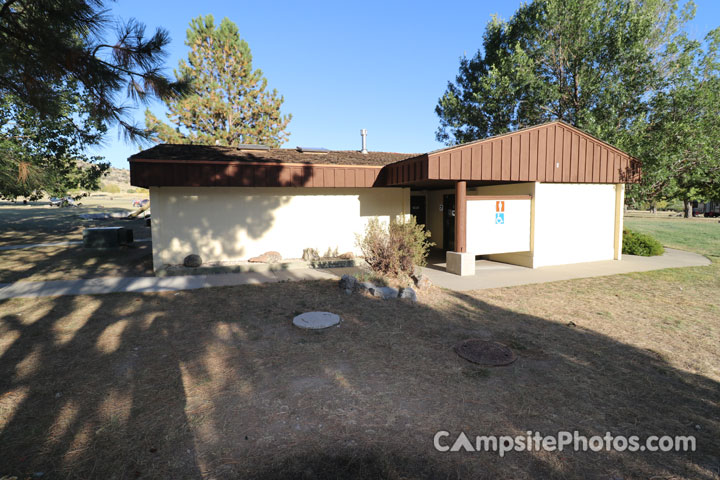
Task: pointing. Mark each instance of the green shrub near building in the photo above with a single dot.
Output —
(635, 243)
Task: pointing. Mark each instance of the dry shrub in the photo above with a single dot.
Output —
(393, 250)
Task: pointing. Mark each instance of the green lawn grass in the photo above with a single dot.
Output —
(682, 233)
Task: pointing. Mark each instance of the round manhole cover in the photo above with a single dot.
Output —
(485, 353)
(316, 320)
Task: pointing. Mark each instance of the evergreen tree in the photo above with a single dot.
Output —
(47, 42)
(63, 80)
(231, 104)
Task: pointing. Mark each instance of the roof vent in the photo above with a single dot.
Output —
(363, 134)
(311, 150)
(250, 146)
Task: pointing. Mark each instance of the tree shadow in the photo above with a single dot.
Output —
(217, 383)
(65, 262)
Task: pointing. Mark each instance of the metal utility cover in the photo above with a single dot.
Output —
(484, 352)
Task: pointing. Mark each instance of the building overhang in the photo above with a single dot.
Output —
(554, 153)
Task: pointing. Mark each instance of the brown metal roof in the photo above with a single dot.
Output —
(553, 152)
(274, 155)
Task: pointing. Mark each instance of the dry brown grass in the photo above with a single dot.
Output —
(22, 226)
(216, 383)
(73, 262)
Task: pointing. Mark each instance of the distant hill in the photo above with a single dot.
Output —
(118, 176)
(117, 180)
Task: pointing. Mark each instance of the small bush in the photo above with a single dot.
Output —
(635, 243)
(394, 249)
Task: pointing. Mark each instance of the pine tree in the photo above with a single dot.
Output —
(231, 104)
(47, 43)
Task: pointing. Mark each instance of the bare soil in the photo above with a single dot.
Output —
(217, 383)
(33, 224)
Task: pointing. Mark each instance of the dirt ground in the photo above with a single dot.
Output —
(39, 223)
(218, 384)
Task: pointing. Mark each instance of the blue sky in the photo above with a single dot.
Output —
(343, 66)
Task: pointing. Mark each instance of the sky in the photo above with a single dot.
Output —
(342, 66)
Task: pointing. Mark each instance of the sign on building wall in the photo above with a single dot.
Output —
(498, 226)
(500, 211)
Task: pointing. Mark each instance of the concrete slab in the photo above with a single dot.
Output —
(57, 244)
(102, 285)
(316, 320)
(490, 274)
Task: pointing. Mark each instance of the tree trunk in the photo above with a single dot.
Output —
(653, 209)
(688, 208)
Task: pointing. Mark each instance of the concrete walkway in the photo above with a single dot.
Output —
(494, 274)
(101, 285)
(488, 275)
(56, 244)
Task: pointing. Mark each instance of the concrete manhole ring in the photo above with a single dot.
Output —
(483, 352)
(316, 320)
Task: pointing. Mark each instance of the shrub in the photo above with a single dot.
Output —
(394, 249)
(635, 243)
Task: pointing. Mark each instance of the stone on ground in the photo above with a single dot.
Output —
(192, 261)
(347, 282)
(363, 286)
(267, 257)
(408, 293)
(422, 282)
(316, 320)
(384, 292)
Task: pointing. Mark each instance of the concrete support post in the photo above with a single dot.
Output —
(460, 262)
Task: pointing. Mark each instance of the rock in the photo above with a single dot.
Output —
(408, 293)
(363, 286)
(310, 255)
(421, 281)
(347, 282)
(267, 257)
(192, 261)
(346, 256)
(384, 292)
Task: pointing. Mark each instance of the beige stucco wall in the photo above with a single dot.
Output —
(235, 223)
(575, 223)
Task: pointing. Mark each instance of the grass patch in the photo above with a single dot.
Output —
(697, 235)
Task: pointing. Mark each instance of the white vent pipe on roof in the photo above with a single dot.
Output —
(363, 133)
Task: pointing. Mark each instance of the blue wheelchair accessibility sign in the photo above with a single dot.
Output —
(499, 218)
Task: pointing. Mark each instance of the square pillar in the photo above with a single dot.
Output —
(460, 263)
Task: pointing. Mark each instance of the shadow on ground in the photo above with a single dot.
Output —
(67, 262)
(216, 383)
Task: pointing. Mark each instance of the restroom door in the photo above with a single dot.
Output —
(417, 208)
